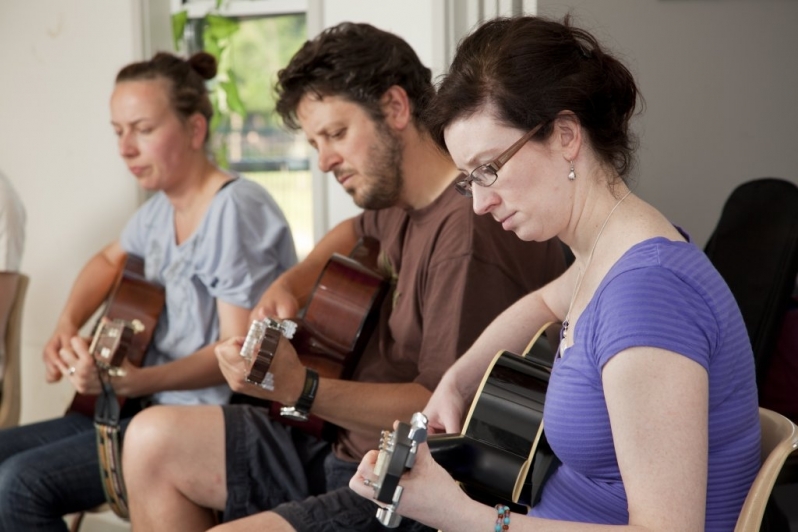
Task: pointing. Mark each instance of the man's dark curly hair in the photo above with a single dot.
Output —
(357, 62)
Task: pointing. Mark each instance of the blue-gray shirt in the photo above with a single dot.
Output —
(242, 244)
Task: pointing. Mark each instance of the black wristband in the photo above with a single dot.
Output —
(301, 409)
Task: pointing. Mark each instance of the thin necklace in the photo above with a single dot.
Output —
(565, 323)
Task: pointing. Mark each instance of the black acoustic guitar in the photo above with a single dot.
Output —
(501, 455)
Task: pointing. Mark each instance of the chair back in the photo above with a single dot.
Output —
(779, 440)
(755, 248)
(12, 376)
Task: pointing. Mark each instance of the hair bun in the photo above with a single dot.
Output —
(203, 64)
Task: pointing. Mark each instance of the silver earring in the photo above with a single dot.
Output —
(572, 173)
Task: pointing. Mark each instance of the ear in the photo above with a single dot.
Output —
(197, 127)
(567, 135)
(396, 107)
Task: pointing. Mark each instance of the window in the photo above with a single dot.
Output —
(253, 39)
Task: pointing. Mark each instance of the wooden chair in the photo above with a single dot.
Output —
(779, 440)
(12, 377)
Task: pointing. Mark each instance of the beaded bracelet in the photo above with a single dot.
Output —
(503, 518)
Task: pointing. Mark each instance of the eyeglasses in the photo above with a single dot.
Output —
(487, 174)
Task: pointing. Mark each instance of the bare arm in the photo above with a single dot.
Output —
(290, 292)
(360, 406)
(88, 291)
(512, 331)
(663, 463)
(198, 370)
(366, 406)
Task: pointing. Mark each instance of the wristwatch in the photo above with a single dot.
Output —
(301, 410)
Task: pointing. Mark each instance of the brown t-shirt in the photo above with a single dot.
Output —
(452, 273)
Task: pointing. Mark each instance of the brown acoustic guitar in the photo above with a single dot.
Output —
(125, 329)
(331, 332)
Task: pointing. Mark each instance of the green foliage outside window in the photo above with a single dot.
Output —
(246, 135)
(249, 54)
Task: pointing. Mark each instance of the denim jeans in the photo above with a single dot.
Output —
(48, 470)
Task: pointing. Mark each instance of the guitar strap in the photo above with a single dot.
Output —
(106, 423)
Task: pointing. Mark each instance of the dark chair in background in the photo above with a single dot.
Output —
(755, 249)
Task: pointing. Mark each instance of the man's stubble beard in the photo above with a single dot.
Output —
(383, 173)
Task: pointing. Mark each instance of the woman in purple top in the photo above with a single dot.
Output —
(651, 407)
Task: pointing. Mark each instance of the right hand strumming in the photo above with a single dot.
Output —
(52, 360)
(276, 302)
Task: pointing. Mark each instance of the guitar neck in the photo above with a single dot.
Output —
(127, 325)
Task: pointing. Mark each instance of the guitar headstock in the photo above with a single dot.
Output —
(259, 348)
(110, 345)
(397, 455)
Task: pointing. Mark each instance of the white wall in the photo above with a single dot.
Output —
(59, 60)
(720, 80)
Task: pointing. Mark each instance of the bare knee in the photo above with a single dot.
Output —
(149, 437)
(176, 448)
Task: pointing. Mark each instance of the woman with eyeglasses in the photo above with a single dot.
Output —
(651, 407)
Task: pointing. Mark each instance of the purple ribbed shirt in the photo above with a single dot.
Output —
(667, 295)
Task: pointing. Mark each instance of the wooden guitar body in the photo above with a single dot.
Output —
(126, 326)
(341, 314)
(334, 327)
(501, 455)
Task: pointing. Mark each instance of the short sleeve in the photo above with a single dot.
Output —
(141, 224)
(246, 244)
(654, 307)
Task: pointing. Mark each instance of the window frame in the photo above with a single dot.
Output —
(241, 8)
(258, 8)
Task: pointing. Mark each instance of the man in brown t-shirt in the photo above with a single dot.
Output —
(358, 94)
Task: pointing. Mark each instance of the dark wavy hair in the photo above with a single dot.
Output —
(188, 93)
(530, 69)
(357, 62)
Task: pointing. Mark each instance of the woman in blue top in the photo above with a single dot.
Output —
(213, 241)
(651, 407)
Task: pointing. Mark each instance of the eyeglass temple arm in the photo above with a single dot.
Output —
(498, 163)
